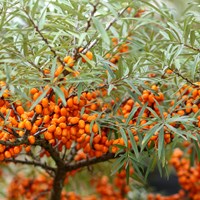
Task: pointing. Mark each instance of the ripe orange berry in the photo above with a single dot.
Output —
(45, 102)
(66, 59)
(62, 125)
(70, 62)
(21, 124)
(58, 71)
(58, 131)
(64, 112)
(7, 154)
(70, 102)
(89, 55)
(34, 129)
(195, 108)
(181, 112)
(17, 149)
(20, 110)
(74, 120)
(48, 135)
(52, 128)
(61, 119)
(81, 124)
(57, 109)
(33, 91)
(31, 139)
(87, 128)
(39, 121)
(28, 125)
(95, 128)
(188, 108)
(46, 119)
(28, 148)
(38, 109)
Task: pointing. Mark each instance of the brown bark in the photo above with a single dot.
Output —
(58, 183)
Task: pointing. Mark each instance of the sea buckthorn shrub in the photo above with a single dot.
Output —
(97, 82)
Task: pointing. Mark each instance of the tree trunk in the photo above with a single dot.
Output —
(58, 183)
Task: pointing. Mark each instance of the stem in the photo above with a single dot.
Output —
(58, 183)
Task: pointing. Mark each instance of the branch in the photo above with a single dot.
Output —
(87, 26)
(28, 162)
(52, 151)
(84, 163)
(190, 47)
(183, 77)
(94, 42)
(45, 40)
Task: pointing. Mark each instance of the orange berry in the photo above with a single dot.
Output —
(28, 125)
(39, 121)
(58, 71)
(95, 128)
(195, 108)
(89, 55)
(62, 125)
(52, 128)
(181, 112)
(48, 135)
(21, 124)
(87, 128)
(31, 139)
(38, 109)
(58, 131)
(57, 109)
(70, 62)
(46, 119)
(45, 102)
(145, 96)
(61, 119)
(188, 108)
(74, 120)
(81, 124)
(7, 154)
(33, 91)
(70, 102)
(17, 149)
(20, 110)
(66, 59)
(169, 71)
(64, 112)
(28, 148)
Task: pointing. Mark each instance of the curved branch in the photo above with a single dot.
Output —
(88, 162)
(28, 162)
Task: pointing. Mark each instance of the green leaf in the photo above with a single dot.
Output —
(197, 149)
(42, 19)
(192, 37)
(35, 8)
(177, 131)
(161, 147)
(149, 134)
(124, 136)
(101, 30)
(118, 164)
(131, 114)
(141, 113)
(60, 94)
(127, 173)
(133, 143)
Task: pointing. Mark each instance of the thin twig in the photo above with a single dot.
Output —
(28, 162)
(193, 48)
